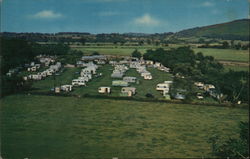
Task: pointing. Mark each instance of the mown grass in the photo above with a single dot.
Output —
(66, 127)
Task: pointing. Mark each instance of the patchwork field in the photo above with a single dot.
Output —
(66, 127)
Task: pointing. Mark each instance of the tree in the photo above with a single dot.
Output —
(233, 147)
(95, 53)
(201, 40)
(148, 41)
(235, 85)
(83, 41)
(232, 43)
(136, 53)
(141, 42)
(238, 46)
(225, 45)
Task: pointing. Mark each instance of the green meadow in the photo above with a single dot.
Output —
(67, 127)
(225, 54)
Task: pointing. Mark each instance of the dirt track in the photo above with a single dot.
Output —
(234, 63)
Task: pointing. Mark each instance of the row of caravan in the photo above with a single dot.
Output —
(86, 75)
(48, 72)
(125, 91)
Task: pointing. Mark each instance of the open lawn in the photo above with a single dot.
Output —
(66, 127)
(225, 54)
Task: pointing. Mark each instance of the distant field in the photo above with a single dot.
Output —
(236, 68)
(111, 51)
(219, 54)
(66, 127)
(225, 54)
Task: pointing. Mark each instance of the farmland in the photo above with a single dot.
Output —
(67, 127)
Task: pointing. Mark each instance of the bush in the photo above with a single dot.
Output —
(149, 95)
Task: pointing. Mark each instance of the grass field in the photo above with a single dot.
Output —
(225, 54)
(65, 127)
(219, 54)
(236, 68)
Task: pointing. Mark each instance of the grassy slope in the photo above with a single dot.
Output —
(238, 27)
(66, 127)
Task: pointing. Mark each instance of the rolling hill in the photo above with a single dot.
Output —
(234, 30)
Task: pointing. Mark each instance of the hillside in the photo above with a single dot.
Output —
(237, 30)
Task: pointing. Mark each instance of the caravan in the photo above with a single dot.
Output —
(78, 82)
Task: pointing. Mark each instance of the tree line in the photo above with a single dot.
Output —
(15, 53)
(189, 67)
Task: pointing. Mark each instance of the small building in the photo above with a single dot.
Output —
(25, 78)
(128, 91)
(101, 62)
(104, 90)
(148, 77)
(78, 82)
(32, 64)
(66, 88)
(149, 62)
(35, 77)
(199, 96)
(208, 87)
(69, 66)
(162, 86)
(32, 69)
(117, 74)
(157, 64)
(129, 79)
(85, 78)
(180, 94)
(200, 85)
(145, 73)
(84, 74)
(120, 83)
(168, 82)
(57, 90)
